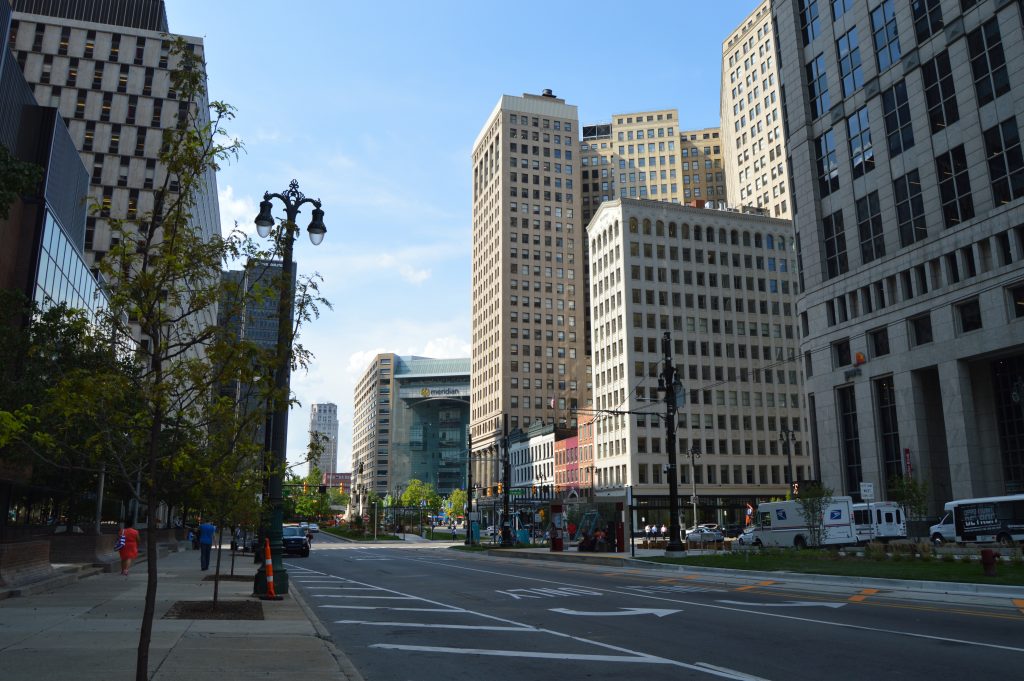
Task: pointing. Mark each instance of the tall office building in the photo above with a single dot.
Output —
(323, 419)
(903, 135)
(751, 101)
(106, 67)
(645, 155)
(723, 285)
(529, 360)
(410, 421)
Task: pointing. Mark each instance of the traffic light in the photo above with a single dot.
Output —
(305, 487)
(499, 488)
(323, 489)
(796, 488)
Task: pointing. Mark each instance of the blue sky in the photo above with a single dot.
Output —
(373, 107)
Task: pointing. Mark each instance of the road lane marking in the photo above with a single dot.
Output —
(617, 613)
(862, 596)
(1019, 602)
(384, 607)
(523, 653)
(748, 587)
(791, 604)
(376, 598)
(737, 674)
(423, 625)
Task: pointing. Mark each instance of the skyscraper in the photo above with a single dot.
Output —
(323, 419)
(903, 136)
(752, 133)
(529, 360)
(107, 68)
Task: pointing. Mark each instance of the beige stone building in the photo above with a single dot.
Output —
(752, 134)
(644, 155)
(723, 284)
(529, 360)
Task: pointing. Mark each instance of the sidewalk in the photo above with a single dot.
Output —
(89, 630)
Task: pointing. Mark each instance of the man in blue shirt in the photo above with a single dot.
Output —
(206, 531)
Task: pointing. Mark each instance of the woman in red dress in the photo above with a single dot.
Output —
(130, 551)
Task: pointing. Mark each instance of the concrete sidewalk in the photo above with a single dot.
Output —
(89, 630)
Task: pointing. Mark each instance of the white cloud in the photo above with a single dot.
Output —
(236, 209)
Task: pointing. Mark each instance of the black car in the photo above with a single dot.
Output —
(733, 531)
(294, 540)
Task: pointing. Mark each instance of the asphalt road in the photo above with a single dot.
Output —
(426, 613)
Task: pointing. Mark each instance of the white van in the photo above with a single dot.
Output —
(782, 523)
(879, 521)
(989, 519)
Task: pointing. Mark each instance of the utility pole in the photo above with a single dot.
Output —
(671, 385)
(469, 486)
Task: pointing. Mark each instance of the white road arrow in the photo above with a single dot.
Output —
(622, 611)
(791, 604)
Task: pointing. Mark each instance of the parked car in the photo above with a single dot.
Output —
(294, 540)
(704, 535)
(733, 530)
(943, 531)
(746, 536)
(314, 528)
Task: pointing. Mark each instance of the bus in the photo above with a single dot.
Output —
(988, 519)
(879, 521)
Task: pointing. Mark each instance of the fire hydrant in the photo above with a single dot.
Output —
(989, 559)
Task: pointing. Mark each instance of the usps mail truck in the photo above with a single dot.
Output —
(782, 523)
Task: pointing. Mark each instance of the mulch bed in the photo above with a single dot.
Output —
(225, 610)
(228, 578)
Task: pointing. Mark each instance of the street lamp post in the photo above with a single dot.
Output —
(694, 453)
(292, 199)
(671, 385)
(785, 437)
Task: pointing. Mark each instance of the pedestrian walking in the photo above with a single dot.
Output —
(206, 531)
(453, 532)
(647, 530)
(664, 531)
(129, 547)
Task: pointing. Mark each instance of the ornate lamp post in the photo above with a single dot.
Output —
(292, 199)
(672, 386)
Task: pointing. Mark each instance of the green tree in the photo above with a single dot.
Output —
(17, 178)
(814, 500)
(455, 504)
(910, 494)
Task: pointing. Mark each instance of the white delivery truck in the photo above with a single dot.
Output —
(879, 521)
(782, 523)
(989, 519)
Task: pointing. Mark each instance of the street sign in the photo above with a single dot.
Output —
(694, 499)
(867, 491)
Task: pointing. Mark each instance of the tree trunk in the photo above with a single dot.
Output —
(146, 629)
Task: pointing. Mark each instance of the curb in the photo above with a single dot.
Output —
(922, 586)
(345, 665)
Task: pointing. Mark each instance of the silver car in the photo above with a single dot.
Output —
(704, 535)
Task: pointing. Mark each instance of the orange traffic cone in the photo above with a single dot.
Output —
(269, 566)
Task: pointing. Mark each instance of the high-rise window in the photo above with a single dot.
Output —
(889, 428)
(988, 62)
(834, 238)
(910, 208)
(927, 18)
(887, 39)
(810, 23)
(954, 186)
(898, 131)
(869, 225)
(840, 7)
(940, 92)
(850, 69)
(969, 315)
(817, 86)
(862, 154)
(828, 167)
(1005, 161)
(846, 403)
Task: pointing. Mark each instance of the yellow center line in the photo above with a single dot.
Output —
(748, 587)
(1019, 602)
